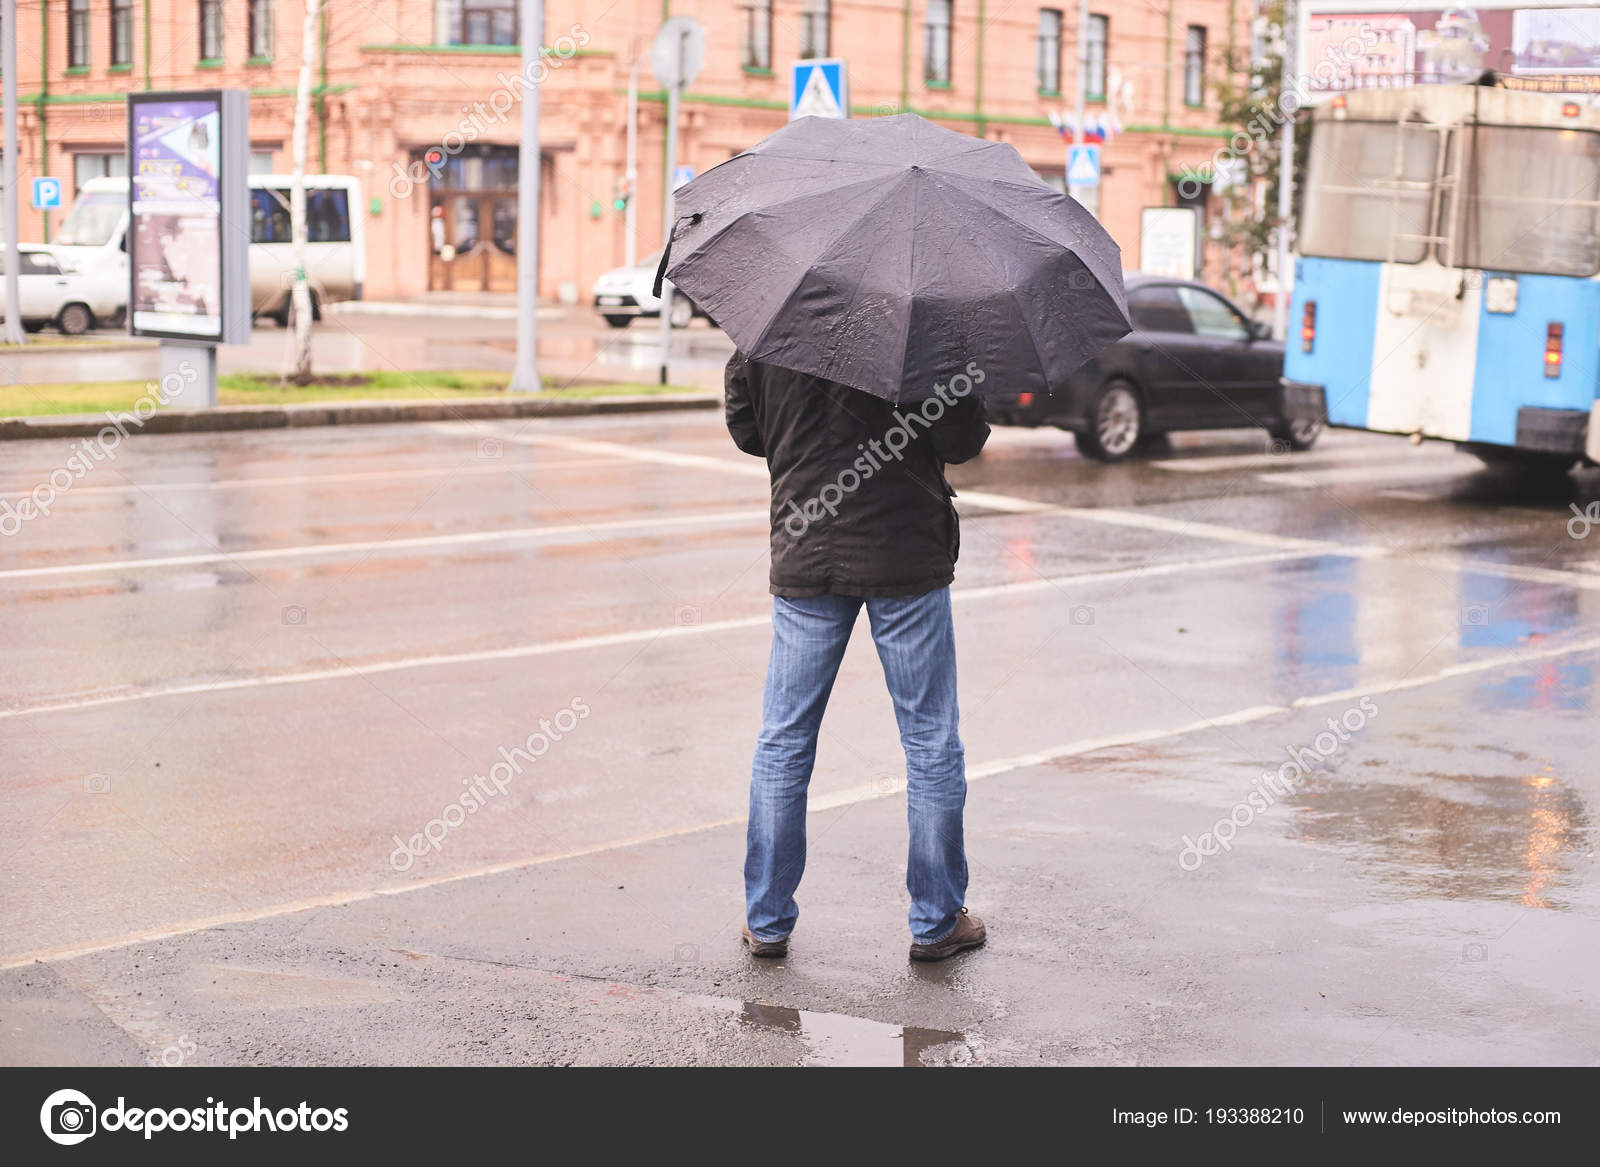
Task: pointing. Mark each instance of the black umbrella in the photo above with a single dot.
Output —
(889, 254)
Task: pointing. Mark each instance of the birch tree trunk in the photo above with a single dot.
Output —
(300, 293)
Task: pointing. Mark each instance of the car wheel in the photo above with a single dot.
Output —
(1299, 434)
(681, 312)
(619, 321)
(1116, 422)
(75, 320)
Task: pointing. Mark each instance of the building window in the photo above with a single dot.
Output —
(486, 22)
(1095, 56)
(936, 43)
(261, 161)
(261, 30)
(77, 34)
(756, 50)
(815, 29)
(1194, 67)
(1049, 62)
(122, 32)
(87, 166)
(211, 30)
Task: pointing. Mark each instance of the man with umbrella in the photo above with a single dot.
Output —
(877, 277)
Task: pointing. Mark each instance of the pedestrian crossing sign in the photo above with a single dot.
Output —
(1083, 165)
(819, 89)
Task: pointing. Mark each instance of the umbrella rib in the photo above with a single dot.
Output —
(1044, 369)
(768, 208)
(789, 296)
(1029, 227)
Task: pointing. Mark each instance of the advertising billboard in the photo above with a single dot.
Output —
(1359, 46)
(186, 257)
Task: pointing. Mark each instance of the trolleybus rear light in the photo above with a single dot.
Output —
(1308, 326)
(1552, 351)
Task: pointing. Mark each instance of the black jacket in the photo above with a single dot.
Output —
(860, 503)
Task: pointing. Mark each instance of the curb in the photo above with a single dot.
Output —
(268, 417)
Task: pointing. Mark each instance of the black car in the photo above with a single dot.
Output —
(1193, 361)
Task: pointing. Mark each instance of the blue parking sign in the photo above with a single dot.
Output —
(46, 194)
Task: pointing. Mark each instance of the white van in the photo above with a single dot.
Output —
(93, 240)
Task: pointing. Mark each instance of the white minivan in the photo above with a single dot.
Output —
(93, 240)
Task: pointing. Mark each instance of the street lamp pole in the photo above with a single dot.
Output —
(13, 333)
(632, 174)
(667, 294)
(1290, 82)
(525, 378)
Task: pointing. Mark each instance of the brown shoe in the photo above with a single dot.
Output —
(969, 932)
(759, 947)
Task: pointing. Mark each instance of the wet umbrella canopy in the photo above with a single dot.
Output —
(889, 254)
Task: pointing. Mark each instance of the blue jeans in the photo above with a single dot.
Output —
(916, 644)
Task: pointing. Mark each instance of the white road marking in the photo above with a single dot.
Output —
(1386, 472)
(1009, 504)
(1460, 669)
(320, 479)
(607, 640)
(1206, 464)
(1198, 530)
(818, 804)
(306, 550)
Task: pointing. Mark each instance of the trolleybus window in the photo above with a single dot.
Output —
(1359, 204)
(1531, 201)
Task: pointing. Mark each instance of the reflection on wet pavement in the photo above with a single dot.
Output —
(1510, 836)
(833, 1039)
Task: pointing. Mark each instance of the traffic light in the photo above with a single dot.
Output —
(624, 193)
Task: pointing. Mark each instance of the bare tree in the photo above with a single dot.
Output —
(300, 294)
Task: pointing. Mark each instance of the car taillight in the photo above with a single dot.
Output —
(1308, 326)
(1552, 351)
(1024, 399)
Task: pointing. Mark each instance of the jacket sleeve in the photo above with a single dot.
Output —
(739, 408)
(960, 434)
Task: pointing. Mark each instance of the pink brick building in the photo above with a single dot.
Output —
(407, 83)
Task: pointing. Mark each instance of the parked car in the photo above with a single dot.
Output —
(51, 293)
(1193, 361)
(624, 293)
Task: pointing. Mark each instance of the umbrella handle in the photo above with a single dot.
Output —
(666, 252)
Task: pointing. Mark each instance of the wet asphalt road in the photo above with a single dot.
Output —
(236, 667)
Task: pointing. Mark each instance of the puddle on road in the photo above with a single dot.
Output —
(835, 1039)
(1451, 836)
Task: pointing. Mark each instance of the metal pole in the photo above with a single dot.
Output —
(526, 377)
(666, 203)
(632, 173)
(1288, 82)
(1082, 87)
(13, 333)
